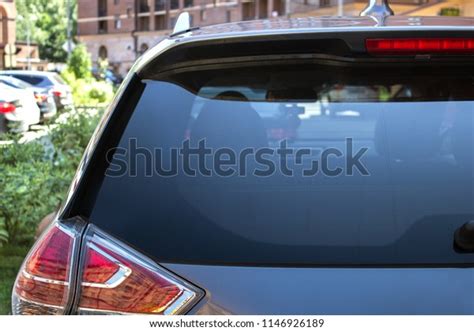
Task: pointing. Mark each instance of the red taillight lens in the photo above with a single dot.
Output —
(57, 93)
(43, 283)
(6, 107)
(414, 46)
(114, 279)
(117, 279)
(98, 269)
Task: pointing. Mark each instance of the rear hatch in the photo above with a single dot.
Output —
(322, 180)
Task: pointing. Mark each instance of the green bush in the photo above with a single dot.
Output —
(32, 185)
(11, 258)
(71, 138)
(27, 190)
(88, 91)
(91, 92)
(80, 62)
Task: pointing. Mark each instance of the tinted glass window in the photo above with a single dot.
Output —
(13, 82)
(34, 80)
(302, 164)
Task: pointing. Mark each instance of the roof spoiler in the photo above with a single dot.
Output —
(379, 9)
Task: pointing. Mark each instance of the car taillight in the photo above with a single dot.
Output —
(40, 97)
(111, 278)
(414, 46)
(43, 284)
(117, 279)
(7, 107)
(57, 93)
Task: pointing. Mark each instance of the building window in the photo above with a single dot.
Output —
(117, 22)
(173, 21)
(160, 5)
(174, 4)
(263, 9)
(143, 23)
(103, 26)
(188, 3)
(143, 6)
(278, 8)
(160, 22)
(102, 52)
(325, 3)
(248, 11)
(102, 8)
(228, 16)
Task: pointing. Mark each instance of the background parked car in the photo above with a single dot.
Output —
(50, 81)
(18, 109)
(44, 97)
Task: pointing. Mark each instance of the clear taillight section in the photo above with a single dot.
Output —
(106, 277)
(117, 279)
(43, 284)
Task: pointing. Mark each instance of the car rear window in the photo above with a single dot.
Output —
(34, 80)
(13, 82)
(301, 164)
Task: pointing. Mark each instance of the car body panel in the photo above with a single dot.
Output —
(325, 291)
(24, 116)
(47, 106)
(271, 290)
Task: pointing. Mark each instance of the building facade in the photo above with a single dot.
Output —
(7, 33)
(120, 30)
(16, 54)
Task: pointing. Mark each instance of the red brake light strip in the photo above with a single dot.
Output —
(414, 46)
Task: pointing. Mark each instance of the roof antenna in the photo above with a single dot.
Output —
(378, 9)
(183, 23)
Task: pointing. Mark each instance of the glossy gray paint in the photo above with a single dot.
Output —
(255, 290)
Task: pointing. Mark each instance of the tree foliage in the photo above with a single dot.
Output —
(47, 22)
(80, 62)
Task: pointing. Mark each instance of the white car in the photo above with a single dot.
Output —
(50, 81)
(18, 109)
